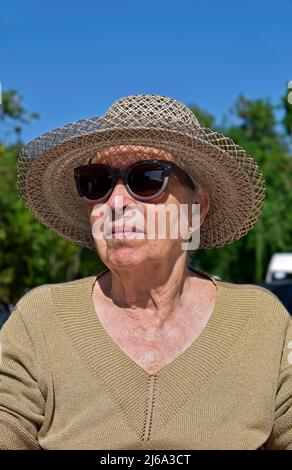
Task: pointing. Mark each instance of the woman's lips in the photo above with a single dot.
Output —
(125, 230)
(120, 229)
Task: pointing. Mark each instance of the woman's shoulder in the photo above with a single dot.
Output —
(260, 299)
(40, 300)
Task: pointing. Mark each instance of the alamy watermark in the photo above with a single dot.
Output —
(153, 221)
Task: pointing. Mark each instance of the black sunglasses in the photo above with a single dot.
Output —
(144, 180)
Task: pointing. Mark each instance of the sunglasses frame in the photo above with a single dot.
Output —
(123, 173)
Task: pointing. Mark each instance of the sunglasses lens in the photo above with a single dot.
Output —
(146, 180)
(95, 182)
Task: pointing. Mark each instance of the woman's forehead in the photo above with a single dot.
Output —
(124, 155)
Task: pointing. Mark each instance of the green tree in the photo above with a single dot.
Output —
(257, 132)
(30, 254)
(13, 115)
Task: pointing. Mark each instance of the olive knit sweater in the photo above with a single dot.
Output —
(65, 384)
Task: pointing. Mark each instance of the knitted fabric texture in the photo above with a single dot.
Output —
(65, 384)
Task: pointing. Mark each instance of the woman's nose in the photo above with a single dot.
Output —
(119, 195)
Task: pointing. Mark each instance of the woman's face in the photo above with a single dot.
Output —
(162, 216)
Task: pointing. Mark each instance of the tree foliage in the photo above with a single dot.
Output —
(30, 254)
(257, 131)
(13, 115)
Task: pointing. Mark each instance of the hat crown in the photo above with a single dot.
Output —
(148, 110)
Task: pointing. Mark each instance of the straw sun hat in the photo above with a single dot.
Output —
(234, 182)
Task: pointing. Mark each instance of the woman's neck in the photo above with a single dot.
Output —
(153, 291)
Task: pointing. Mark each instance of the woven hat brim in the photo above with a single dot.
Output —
(232, 178)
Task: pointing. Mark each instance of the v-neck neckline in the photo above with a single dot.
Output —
(125, 381)
(125, 358)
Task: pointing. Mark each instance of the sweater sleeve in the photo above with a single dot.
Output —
(21, 401)
(281, 436)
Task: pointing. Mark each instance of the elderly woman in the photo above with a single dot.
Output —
(149, 354)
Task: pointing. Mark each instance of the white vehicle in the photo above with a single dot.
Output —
(280, 268)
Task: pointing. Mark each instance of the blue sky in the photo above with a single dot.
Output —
(72, 59)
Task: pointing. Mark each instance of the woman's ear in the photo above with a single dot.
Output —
(202, 198)
(204, 205)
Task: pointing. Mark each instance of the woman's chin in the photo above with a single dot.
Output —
(126, 253)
